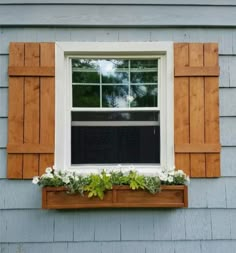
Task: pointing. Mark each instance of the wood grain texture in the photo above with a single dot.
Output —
(197, 71)
(30, 148)
(212, 110)
(31, 71)
(201, 121)
(34, 109)
(169, 196)
(181, 107)
(197, 148)
(47, 105)
(31, 111)
(196, 109)
(16, 112)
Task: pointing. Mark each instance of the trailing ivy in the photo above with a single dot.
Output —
(95, 185)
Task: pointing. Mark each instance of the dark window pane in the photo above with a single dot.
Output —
(115, 116)
(114, 95)
(86, 96)
(143, 77)
(144, 95)
(94, 145)
(140, 64)
(85, 77)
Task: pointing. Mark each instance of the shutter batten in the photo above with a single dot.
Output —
(197, 109)
(30, 80)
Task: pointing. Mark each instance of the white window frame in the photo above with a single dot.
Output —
(65, 50)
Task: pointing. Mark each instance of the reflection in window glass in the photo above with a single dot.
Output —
(86, 96)
(117, 83)
(114, 96)
(144, 95)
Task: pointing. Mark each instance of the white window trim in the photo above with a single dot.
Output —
(62, 96)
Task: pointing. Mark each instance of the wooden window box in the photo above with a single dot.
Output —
(171, 196)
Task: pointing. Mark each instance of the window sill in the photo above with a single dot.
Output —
(171, 196)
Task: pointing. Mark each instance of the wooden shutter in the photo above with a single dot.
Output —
(31, 109)
(197, 147)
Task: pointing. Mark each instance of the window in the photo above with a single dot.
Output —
(114, 105)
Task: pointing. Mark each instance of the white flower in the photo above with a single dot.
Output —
(66, 180)
(170, 179)
(48, 170)
(163, 176)
(47, 175)
(35, 180)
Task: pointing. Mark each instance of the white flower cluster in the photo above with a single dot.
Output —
(167, 176)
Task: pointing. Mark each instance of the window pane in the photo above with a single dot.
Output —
(114, 95)
(143, 95)
(86, 96)
(141, 64)
(115, 77)
(143, 77)
(102, 145)
(85, 77)
(116, 116)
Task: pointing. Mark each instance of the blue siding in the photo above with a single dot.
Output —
(209, 224)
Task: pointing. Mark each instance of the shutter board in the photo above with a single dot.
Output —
(202, 105)
(16, 111)
(181, 107)
(31, 115)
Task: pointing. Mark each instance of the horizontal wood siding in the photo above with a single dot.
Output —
(26, 228)
(126, 15)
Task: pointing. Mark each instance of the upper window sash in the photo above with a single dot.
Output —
(65, 50)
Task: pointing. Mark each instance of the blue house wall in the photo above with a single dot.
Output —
(209, 224)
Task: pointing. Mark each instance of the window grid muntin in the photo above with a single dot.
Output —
(129, 58)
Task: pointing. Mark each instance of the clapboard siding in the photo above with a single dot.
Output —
(3, 163)
(130, 225)
(225, 37)
(217, 246)
(128, 15)
(228, 131)
(3, 132)
(126, 2)
(203, 193)
(226, 95)
(208, 225)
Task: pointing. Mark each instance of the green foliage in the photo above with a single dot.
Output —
(95, 185)
(98, 184)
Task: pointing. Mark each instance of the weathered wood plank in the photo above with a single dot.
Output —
(181, 108)
(47, 105)
(16, 111)
(31, 111)
(103, 16)
(196, 110)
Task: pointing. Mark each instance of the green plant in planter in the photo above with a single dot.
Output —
(95, 185)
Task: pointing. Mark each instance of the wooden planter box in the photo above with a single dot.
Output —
(119, 197)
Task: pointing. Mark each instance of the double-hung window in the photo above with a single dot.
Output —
(114, 106)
